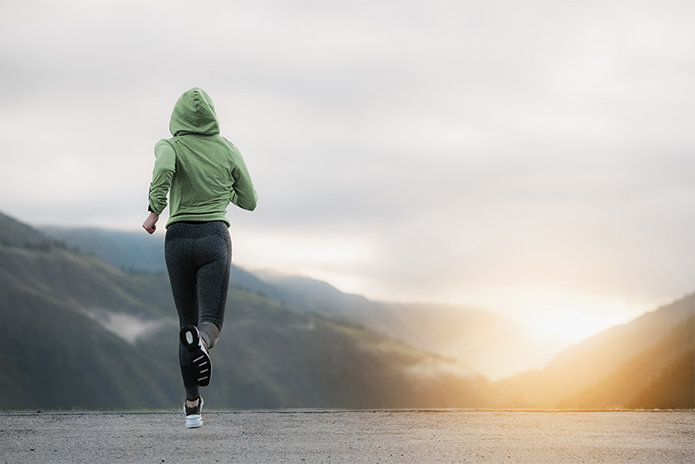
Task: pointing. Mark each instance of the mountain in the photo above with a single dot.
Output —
(137, 252)
(647, 362)
(485, 341)
(15, 233)
(54, 347)
(79, 333)
(123, 250)
(657, 378)
(480, 339)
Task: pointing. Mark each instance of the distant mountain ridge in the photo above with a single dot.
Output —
(80, 333)
(479, 339)
(15, 233)
(123, 250)
(137, 252)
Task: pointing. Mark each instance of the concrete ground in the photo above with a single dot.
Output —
(312, 436)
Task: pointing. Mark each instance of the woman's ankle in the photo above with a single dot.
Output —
(209, 332)
(192, 403)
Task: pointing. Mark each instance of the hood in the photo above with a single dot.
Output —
(194, 113)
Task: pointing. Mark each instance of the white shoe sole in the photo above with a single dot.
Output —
(194, 421)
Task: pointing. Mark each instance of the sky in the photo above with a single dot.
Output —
(533, 158)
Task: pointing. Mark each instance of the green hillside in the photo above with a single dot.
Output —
(479, 339)
(136, 251)
(123, 250)
(82, 334)
(56, 358)
(15, 233)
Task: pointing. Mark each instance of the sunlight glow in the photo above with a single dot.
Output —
(550, 311)
(554, 312)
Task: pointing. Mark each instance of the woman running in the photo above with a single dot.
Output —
(202, 172)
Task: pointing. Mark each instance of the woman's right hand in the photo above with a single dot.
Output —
(150, 224)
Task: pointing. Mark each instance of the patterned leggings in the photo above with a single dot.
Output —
(198, 256)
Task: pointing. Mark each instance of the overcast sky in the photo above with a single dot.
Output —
(535, 157)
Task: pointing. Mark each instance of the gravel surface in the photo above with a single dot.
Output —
(310, 436)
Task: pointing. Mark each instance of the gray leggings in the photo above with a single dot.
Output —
(198, 256)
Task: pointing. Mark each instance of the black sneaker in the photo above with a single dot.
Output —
(202, 367)
(194, 418)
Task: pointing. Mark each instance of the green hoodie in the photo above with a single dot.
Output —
(203, 171)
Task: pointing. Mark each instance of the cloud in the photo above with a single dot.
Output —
(446, 147)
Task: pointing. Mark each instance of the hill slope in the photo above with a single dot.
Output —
(15, 233)
(480, 339)
(139, 252)
(301, 358)
(82, 334)
(658, 378)
(630, 365)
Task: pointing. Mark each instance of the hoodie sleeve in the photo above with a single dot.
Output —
(243, 194)
(164, 168)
